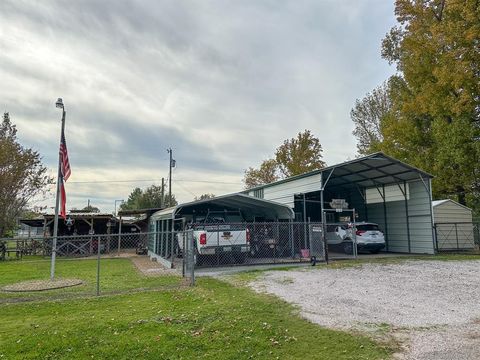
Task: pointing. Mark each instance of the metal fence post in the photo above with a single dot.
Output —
(98, 265)
(191, 259)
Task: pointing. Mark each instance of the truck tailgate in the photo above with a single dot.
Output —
(225, 235)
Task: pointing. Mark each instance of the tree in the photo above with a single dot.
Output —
(91, 208)
(267, 173)
(22, 176)
(204, 197)
(299, 155)
(368, 114)
(149, 198)
(295, 156)
(434, 119)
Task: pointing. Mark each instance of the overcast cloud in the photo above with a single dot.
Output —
(222, 83)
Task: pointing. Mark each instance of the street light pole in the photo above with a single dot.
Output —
(59, 104)
(120, 201)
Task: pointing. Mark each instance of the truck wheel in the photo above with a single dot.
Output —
(348, 248)
(239, 258)
(197, 259)
(254, 252)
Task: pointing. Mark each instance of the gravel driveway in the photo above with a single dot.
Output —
(432, 307)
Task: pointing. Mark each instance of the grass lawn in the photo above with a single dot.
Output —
(115, 275)
(213, 320)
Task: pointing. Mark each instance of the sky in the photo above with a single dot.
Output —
(222, 83)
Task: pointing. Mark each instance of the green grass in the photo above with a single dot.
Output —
(213, 320)
(115, 275)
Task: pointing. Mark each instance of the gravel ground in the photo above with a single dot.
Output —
(432, 307)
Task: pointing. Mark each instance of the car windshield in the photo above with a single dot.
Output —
(367, 227)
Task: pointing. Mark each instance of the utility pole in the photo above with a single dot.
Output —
(162, 200)
(170, 179)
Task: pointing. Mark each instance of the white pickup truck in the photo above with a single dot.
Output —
(217, 237)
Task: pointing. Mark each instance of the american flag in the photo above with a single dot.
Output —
(65, 174)
(64, 163)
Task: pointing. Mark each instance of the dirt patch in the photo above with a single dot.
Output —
(42, 285)
(151, 268)
(430, 306)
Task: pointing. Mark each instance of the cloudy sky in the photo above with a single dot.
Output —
(222, 83)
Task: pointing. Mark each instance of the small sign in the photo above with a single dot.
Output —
(338, 204)
(69, 221)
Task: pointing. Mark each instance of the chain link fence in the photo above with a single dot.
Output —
(85, 265)
(233, 244)
(457, 237)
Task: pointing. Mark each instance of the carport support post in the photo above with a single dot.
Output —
(385, 216)
(428, 189)
(404, 191)
(162, 235)
(324, 237)
(304, 222)
(119, 235)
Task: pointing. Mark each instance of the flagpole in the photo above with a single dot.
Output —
(59, 104)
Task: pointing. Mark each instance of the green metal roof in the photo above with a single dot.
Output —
(368, 171)
(234, 201)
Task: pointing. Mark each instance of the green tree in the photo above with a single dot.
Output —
(91, 208)
(204, 196)
(299, 155)
(267, 173)
(434, 119)
(22, 176)
(295, 156)
(368, 115)
(149, 198)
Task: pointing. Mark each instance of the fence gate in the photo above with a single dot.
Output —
(341, 238)
(317, 243)
(461, 236)
(189, 256)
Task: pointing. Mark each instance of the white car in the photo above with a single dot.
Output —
(368, 237)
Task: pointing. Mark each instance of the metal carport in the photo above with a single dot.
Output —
(382, 189)
(165, 223)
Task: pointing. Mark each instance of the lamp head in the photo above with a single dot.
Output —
(59, 103)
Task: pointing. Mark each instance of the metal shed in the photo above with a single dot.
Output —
(384, 190)
(453, 225)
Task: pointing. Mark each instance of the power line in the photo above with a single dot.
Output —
(147, 180)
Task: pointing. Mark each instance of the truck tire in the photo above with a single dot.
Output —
(348, 248)
(239, 258)
(197, 259)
